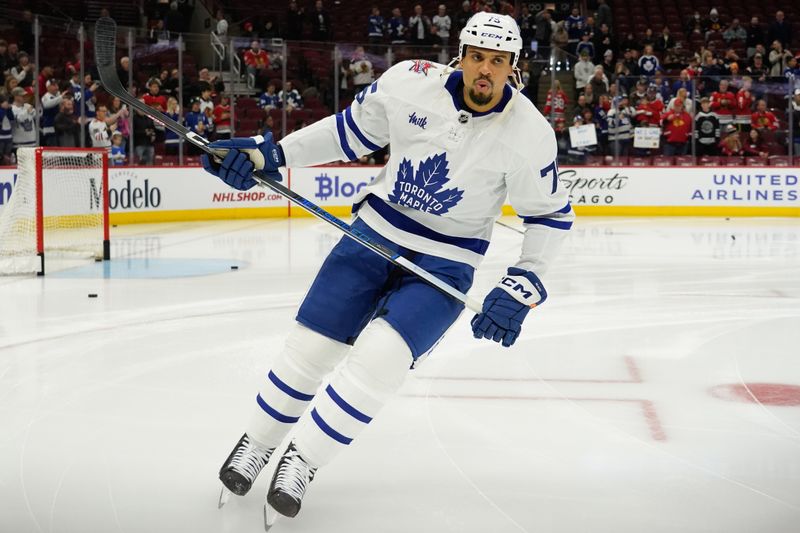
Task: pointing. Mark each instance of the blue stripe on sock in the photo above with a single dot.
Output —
(294, 393)
(346, 407)
(332, 433)
(275, 414)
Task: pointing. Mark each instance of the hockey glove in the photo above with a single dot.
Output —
(506, 306)
(244, 155)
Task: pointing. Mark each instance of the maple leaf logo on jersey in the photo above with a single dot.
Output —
(421, 66)
(423, 190)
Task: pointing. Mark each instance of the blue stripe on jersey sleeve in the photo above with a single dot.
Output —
(566, 209)
(549, 222)
(404, 223)
(348, 115)
(351, 155)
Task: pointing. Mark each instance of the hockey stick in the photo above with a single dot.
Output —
(512, 228)
(105, 43)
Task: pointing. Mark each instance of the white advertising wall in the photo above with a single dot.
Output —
(149, 194)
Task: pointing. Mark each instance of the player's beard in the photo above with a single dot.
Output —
(480, 99)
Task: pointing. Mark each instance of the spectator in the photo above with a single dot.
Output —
(604, 15)
(735, 32)
(122, 71)
(294, 21)
(6, 125)
(66, 125)
(375, 25)
(599, 82)
(173, 21)
(119, 111)
(665, 41)
(198, 122)
(575, 24)
(604, 42)
(778, 59)
(711, 70)
(222, 117)
(99, 128)
(755, 36)
(24, 29)
(620, 126)
(745, 99)
(731, 143)
(545, 27)
(581, 106)
(419, 26)
(525, 21)
(648, 63)
(118, 156)
(291, 96)
(712, 24)
(706, 129)
(755, 145)
(443, 23)
(583, 71)
(361, 69)
(221, 27)
(684, 97)
(723, 103)
(144, 132)
(158, 33)
(397, 27)
(12, 54)
(576, 155)
(23, 72)
(780, 30)
(320, 23)
(609, 66)
(591, 28)
(792, 67)
(83, 94)
(588, 94)
(628, 43)
(269, 99)
(559, 42)
(663, 87)
(758, 71)
(5, 63)
(650, 110)
(257, 61)
(23, 131)
(796, 121)
(601, 121)
(269, 30)
(556, 104)
(45, 75)
(648, 39)
(169, 87)
(205, 79)
(154, 98)
(171, 139)
(585, 45)
(51, 104)
(762, 118)
(677, 130)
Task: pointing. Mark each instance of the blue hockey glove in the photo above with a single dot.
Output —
(506, 306)
(244, 155)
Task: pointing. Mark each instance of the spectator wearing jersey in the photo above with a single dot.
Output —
(650, 110)
(198, 122)
(68, 131)
(677, 130)
(206, 102)
(601, 111)
(443, 24)
(621, 117)
(171, 139)
(84, 94)
(662, 86)
(585, 45)
(257, 61)
(723, 102)
(734, 32)
(754, 145)
(762, 118)
(792, 67)
(398, 31)
(6, 126)
(712, 24)
(583, 72)
(375, 26)
(320, 23)
(269, 99)
(745, 101)
(575, 24)
(117, 157)
(731, 143)
(556, 104)
(706, 129)
(291, 96)
(419, 26)
(99, 128)
(361, 69)
(154, 98)
(222, 117)
(648, 63)
(780, 30)
(51, 104)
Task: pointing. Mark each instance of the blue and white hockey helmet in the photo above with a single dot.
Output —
(492, 31)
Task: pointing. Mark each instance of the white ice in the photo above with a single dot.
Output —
(658, 389)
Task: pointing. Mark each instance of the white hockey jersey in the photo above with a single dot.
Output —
(450, 169)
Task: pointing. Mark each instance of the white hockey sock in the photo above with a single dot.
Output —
(371, 375)
(291, 383)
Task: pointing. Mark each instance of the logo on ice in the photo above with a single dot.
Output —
(423, 190)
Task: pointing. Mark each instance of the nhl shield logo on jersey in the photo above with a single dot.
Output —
(423, 190)
(421, 66)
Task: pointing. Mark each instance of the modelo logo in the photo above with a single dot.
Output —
(134, 196)
(334, 187)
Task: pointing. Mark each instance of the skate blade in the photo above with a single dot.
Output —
(270, 516)
(224, 496)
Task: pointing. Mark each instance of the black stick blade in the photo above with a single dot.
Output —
(105, 43)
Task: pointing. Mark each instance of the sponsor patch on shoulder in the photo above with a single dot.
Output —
(421, 66)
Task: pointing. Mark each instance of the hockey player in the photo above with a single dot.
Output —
(462, 140)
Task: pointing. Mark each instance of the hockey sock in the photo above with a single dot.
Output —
(372, 373)
(291, 383)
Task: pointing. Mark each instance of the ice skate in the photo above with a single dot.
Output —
(288, 486)
(241, 468)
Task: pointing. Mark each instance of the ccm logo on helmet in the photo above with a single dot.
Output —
(491, 35)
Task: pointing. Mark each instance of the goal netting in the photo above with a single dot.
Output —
(58, 209)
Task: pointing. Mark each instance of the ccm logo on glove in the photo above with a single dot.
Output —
(524, 290)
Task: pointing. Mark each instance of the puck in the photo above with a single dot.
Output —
(234, 267)
(92, 295)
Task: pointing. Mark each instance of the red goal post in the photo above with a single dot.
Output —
(58, 208)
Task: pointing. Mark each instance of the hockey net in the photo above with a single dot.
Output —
(58, 209)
